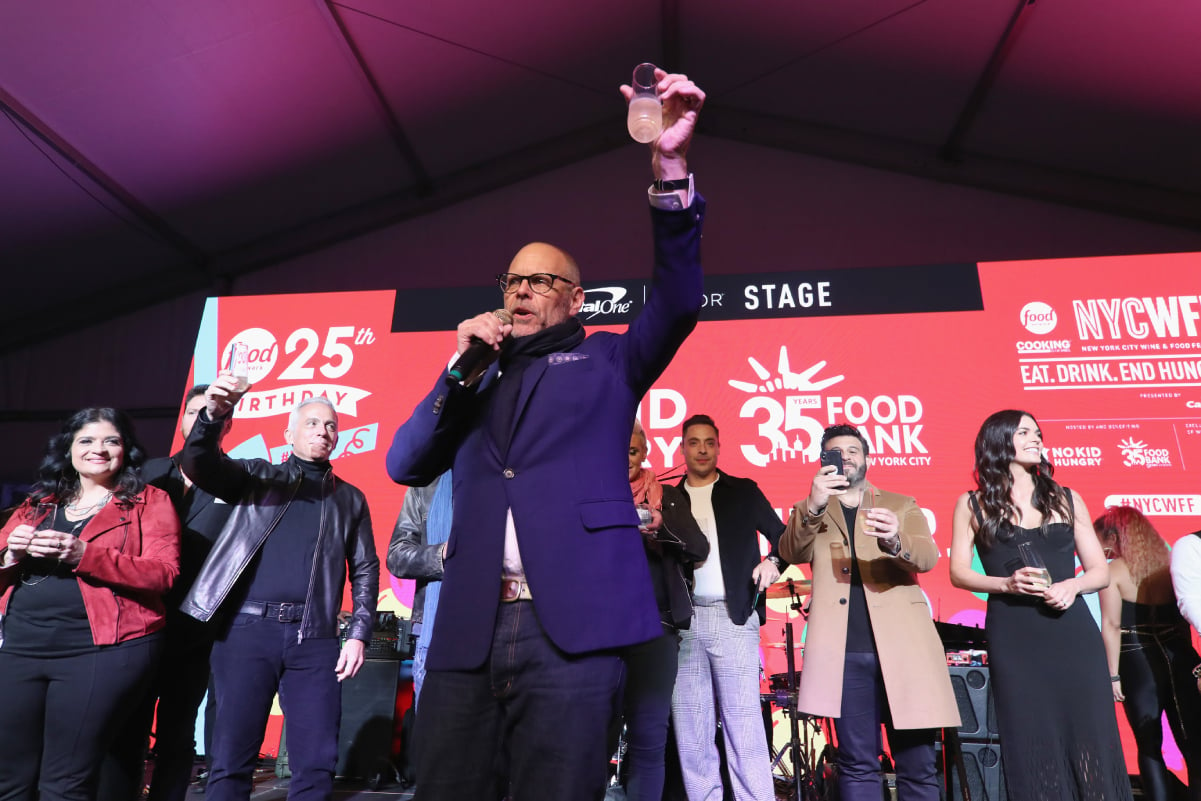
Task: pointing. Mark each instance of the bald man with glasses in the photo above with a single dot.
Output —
(545, 577)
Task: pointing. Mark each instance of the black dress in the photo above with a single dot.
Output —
(1055, 711)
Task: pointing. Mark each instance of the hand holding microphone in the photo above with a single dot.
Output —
(479, 345)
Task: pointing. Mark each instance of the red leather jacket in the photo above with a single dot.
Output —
(131, 559)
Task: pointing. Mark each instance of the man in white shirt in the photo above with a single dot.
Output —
(1186, 581)
(719, 654)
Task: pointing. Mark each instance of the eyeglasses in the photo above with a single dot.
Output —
(541, 283)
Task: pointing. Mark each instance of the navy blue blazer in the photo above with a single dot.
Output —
(565, 475)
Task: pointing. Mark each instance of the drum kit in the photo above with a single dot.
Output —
(806, 777)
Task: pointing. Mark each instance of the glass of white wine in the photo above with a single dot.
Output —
(239, 364)
(1030, 558)
(644, 119)
(865, 507)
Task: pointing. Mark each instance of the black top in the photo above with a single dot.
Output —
(284, 565)
(46, 615)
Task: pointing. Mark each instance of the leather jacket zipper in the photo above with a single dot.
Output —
(308, 598)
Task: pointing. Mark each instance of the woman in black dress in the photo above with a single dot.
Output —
(1149, 651)
(1055, 714)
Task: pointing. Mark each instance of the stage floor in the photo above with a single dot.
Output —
(269, 787)
(274, 789)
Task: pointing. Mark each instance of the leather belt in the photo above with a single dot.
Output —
(514, 590)
(283, 612)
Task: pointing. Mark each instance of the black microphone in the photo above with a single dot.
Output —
(472, 362)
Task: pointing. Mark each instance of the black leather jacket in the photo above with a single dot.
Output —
(260, 493)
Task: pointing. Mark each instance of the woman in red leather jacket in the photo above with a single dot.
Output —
(83, 566)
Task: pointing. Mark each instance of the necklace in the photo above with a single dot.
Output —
(75, 509)
(29, 580)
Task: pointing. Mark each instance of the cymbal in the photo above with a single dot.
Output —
(789, 588)
(779, 646)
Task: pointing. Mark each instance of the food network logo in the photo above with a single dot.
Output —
(1038, 318)
(1136, 453)
(605, 300)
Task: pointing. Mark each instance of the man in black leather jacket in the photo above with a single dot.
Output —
(277, 572)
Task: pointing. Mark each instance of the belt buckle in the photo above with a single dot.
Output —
(285, 612)
(511, 590)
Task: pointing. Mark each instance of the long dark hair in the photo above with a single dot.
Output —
(56, 475)
(994, 483)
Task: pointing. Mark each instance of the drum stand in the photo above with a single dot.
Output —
(803, 780)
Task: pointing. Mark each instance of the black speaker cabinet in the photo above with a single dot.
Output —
(982, 766)
(973, 694)
(368, 707)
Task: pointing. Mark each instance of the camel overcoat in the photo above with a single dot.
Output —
(912, 659)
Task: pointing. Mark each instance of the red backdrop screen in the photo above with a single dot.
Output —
(1104, 352)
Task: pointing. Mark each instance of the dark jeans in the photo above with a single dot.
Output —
(864, 709)
(178, 687)
(650, 680)
(254, 659)
(59, 713)
(532, 712)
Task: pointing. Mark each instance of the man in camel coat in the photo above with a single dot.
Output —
(872, 654)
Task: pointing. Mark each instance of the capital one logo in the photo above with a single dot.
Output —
(784, 431)
(1038, 318)
(605, 300)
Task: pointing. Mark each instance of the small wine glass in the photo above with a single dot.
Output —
(865, 507)
(644, 119)
(645, 515)
(43, 515)
(1031, 558)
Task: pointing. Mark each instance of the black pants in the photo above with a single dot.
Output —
(531, 712)
(1157, 678)
(650, 680)
(59, 714)
(254, 659)
(178, 687)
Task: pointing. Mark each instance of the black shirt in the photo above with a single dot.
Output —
(860, 639)
(46, 615)
(281, 571)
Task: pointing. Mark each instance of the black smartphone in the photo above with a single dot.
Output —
(834, 458)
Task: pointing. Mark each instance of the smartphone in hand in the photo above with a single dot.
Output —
(834, 458)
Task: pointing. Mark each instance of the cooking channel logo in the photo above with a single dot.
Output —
(1040, 319)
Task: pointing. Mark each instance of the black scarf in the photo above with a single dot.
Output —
(516, 354)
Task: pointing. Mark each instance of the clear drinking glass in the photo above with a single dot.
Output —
(239, 364)
(865, 506)
(43, 516)
(644, 120)
(1030, 558)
